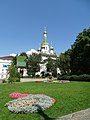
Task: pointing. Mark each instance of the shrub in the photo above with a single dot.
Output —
(64, 77)
(14, 75)
(83, 77)
(74, 78)
(4, 81)
(13, 79)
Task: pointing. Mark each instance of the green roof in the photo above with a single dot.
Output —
(44, 40)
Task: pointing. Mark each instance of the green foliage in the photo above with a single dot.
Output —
(80, 57)
(4, 81)
(15, 60)
(63, 77)
(52, 66)
(23, 54)
(64, 62)
(33, 64)
(83, 77)
(14, 75)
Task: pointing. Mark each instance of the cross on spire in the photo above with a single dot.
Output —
(44, 28)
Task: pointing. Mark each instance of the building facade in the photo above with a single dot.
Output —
(5, 62)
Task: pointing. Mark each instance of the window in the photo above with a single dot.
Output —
(1, 76)
(4, 65)
(2, 70)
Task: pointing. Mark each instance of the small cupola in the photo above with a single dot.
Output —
(51, 49)
(39, 50)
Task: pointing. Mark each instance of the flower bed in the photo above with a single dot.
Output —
(30, 104)
(18, 95)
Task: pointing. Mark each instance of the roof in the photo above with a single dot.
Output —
(45, 41)
(7, 57)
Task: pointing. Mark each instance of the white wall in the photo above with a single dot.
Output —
(4, 67)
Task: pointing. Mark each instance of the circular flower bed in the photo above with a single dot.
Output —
(30, 104)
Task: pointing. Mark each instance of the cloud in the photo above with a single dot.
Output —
(31, 51)
(13, 54)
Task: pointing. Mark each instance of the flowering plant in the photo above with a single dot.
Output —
(18, 95)
(30, 104)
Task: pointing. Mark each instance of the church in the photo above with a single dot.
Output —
(45, 47)
(46, 50)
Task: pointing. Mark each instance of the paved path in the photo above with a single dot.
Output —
(31, 79)
(81, 115)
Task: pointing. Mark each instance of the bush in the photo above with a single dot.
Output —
(64, 77)
(83, 77)
(13, 79)
(4, 81)
(14, 75)
(74, 78)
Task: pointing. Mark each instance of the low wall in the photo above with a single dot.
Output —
(31, 79)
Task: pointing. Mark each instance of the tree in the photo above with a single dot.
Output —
(23, 54)
(33, 64)
(52, 66)
(14, 75)
(64, 62)
(80, 57)
(15, 60)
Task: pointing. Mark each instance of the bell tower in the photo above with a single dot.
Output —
(45, 45)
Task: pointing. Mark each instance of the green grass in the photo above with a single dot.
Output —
(70, 97)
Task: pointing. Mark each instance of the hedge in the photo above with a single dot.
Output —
(83, 77)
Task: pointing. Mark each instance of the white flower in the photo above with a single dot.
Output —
(30, 104)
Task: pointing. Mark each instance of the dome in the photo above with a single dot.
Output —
(38, 49)
(51, 48)
(42, 46)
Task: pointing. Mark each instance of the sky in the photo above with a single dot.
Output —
(22, 23)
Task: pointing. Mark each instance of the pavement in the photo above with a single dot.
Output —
(81, 115)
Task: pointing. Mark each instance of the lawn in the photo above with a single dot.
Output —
(70, 97)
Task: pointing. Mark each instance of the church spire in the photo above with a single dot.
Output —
(45, 41)
(45, 45)
(45, 32)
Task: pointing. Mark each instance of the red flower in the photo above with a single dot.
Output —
(18, 95)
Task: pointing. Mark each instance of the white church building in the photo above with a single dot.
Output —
(46, 50)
